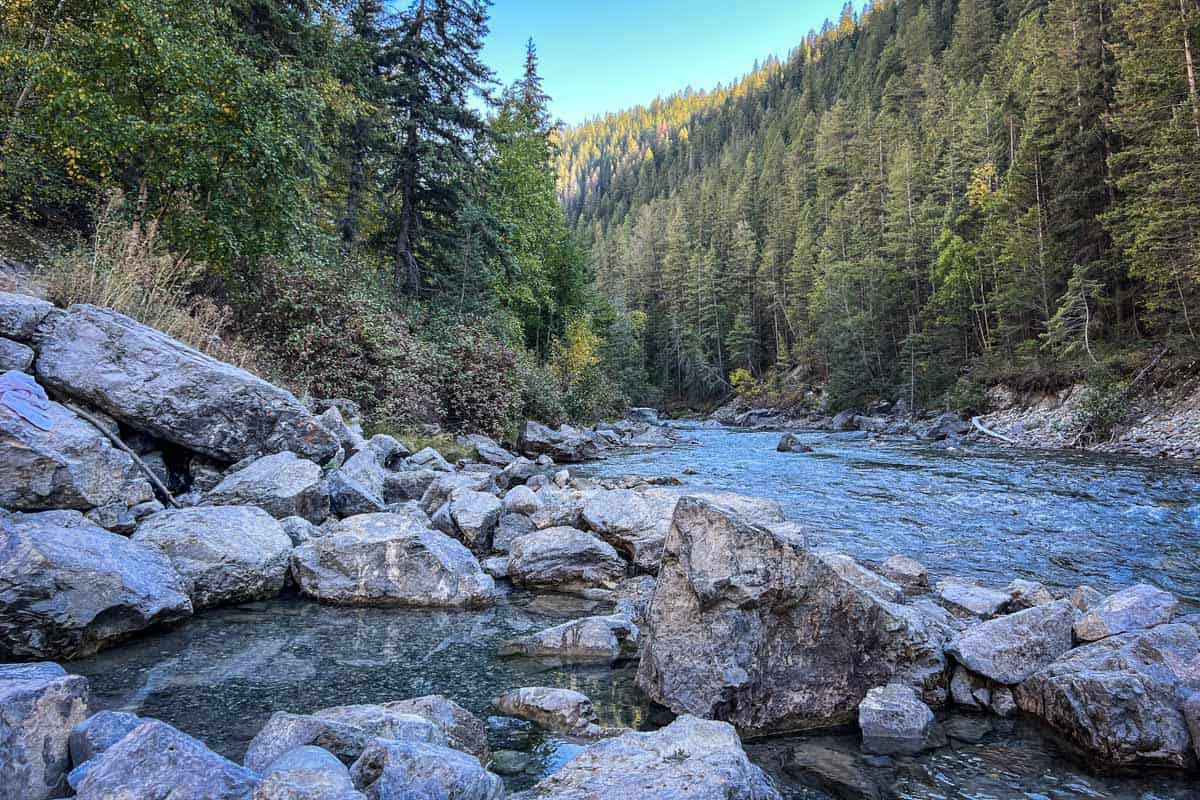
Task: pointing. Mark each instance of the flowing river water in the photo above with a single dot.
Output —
(983, 512)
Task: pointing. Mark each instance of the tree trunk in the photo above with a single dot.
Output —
(348, 225)
(1191, 72)
(408, 273)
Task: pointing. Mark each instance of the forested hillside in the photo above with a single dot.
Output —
(338, 188)
(924, 198)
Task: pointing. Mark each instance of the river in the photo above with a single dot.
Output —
(986, 512)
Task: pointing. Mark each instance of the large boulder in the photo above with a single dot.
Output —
(345, 731)
(413, 771)
(71, 465)
(463, 730)
(280, 484)
(357, 486)
(562, 710)
(157, 761)
(229, 554)
(1140, 606)
(20, 315)
(39, 705)
(690, 758)
(564, 560)
(69, 588)
(894, 720)
(566, 445)
(599, 639)
(161, 386)
(1121, 699)
(635, 524)
(390, 560)
(307, 773)
(470, 517)
(966, 598)
(14, 355)
(488, 450)
(1009, 649)
(750, 626)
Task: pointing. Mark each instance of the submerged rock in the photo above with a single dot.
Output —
(1009, 649)
(894, 720)
(69, 588)
(561, 710)
(564, 560)
(390, 560)
(157, 384)
(39, 706)
(690, 758)
(1121, 699)
(154, 756)
(229, 554)
(414, 771)
(1140, 606)
(750, 626)
(791, 443)
(600, 639)
(72, 465)
(280, 484)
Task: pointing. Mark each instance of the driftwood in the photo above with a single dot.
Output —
(1088, 429)
(116, 440)
(985, 430)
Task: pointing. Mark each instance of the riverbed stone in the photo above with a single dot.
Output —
(390, 560)
(1009, 649)
(561, 710)
(69, 588)
(1140, 606)
(445, 485)
(159, 385)
(836, 770)
(414, 771)
(521, 500)
(229, 554)
(388, 450)
(20, 315)
(1120, 699)
(751, 626)
(690, 758)
(428, 458)
(463, 730)
(635, 524)
(345, 731)
(97, 733)
(971, 598)
(15, 356)
(591, 639)
(153, 756)
(349, 438)
(39, 705)
(1025, 594)
(565, 560)
(307, 773)
(907, 572)
(72, 465)
(471, 517)
(508, 529)
(357, 486)
(863, 578)
(894, 720)
(299, 530)
(489, 451)
(282, 484)
(1084, 597)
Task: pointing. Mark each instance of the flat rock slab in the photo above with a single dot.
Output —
(72, 465)
(1120, 700)
(1009, 649)
(159, 385)
(1135, 608)
(69, 588)
(229, 554)
(39, 705)
(282, 484)
(972, 598)
(390, 560)
(690, 758)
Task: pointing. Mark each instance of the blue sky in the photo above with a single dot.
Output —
(605, 56)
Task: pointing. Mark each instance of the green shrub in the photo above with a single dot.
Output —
(1103, 407)
(967, 397)
(479, 383)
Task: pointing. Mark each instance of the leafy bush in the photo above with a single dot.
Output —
(743, 383)
(1103, 407)
(480, 384)
(541, 397)
(967, 397)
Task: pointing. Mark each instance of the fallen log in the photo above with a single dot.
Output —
(986, 431)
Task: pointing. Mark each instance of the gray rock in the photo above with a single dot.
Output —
(205, 474)
(945, 426)
(741, 628)
(521, 500)
(566, 445)
(99, 732)
(862, 577)
(69, 588)
(39, 705)
(844, 421)
(508, 529)
(633, 523)
(1084, 597)
(429, 458)
(838, 772)
(20, 316)
(561, 710)
(520, 471)
(971, 598)
(357, 486)
(969, 690)
(157, 384)
(390, 560)
(1027, 594)
(440, 490)
(299, 530)
(1009, 649)
(591, 639)
(349, 439)
(1191, 714)
(230, 554)
(489, 451)
(307, 773)
(472, 518)
(408, 484)
(690, 759)
(345, 731)
(893, 719)
(1140, 606)
(72, 465)
(280, 484)
(564, 560)
(1121, 699)
(791, 443)
(462, 729)
(115, 517)
(908, 572)
(416, 771)
(389, 451)
(496, 566)
(14, 355)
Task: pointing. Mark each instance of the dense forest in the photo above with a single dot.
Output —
(925, 198)
(337, 188)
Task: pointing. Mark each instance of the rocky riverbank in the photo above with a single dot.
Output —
(159, 483)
